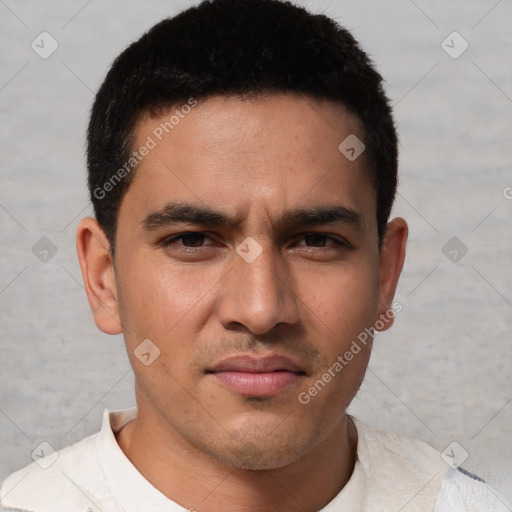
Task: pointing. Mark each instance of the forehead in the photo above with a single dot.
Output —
(277, 152)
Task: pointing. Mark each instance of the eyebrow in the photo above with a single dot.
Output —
(187, 213)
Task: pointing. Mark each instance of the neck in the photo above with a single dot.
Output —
(195, 480)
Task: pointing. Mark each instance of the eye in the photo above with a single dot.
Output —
(323, 240)
(190, 239)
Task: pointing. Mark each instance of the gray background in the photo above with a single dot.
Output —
(441, 374)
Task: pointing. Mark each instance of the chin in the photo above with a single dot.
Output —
(263, 447)
(253, 457)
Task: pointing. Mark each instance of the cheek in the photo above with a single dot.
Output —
(162, 300)
(169, 307)
(340, 306)
(342, 301)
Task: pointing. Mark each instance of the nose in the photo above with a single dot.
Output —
(258, 294)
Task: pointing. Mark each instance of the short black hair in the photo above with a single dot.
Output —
(235, 47)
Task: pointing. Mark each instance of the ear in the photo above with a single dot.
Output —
(392, 258)
(97, 267)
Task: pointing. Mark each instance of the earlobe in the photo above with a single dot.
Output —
(97, 267)
(391, 263)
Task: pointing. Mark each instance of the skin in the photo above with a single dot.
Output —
(198, 442)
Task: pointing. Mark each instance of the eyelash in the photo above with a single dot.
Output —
(166, 242)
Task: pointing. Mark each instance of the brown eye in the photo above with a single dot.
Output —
(193, 239)
(316, 239)
(323, 241)
(189, 239)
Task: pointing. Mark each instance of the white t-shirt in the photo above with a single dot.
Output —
(392, 472)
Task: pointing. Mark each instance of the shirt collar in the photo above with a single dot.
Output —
(130, 488)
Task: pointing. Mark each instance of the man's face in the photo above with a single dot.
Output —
(245, 325)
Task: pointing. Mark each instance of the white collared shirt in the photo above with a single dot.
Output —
(392, 472)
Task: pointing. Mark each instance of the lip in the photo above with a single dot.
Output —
(257, 376)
